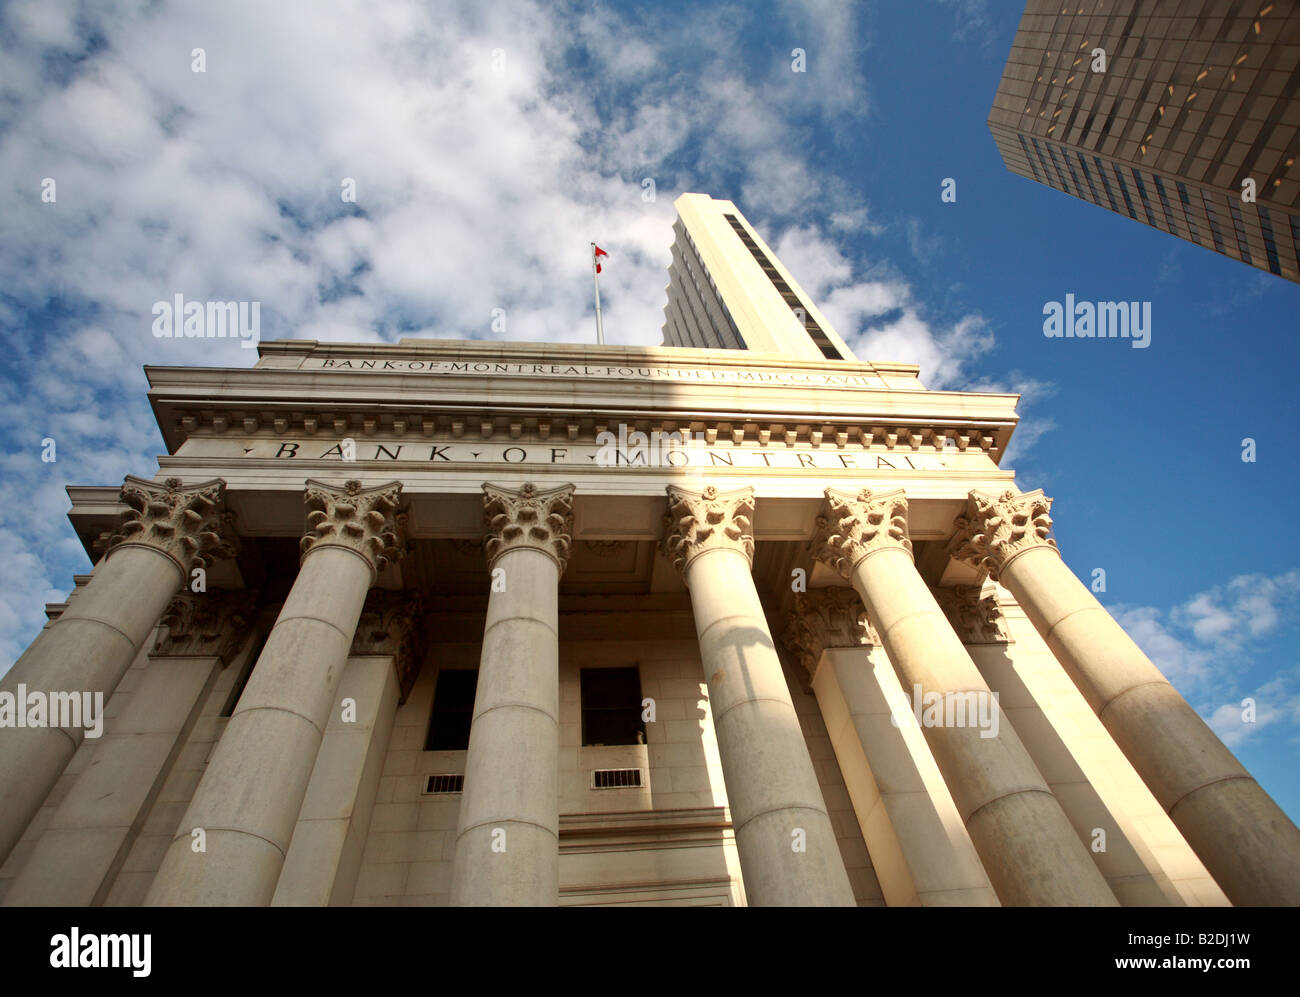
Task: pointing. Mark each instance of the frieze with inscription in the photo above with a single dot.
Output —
(638, 372)
(460, 453)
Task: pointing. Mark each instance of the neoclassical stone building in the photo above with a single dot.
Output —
(479, 623)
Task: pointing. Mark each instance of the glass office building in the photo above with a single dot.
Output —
(1181, 114)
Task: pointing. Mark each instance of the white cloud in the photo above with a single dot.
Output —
(1205, 646)
(477, 190)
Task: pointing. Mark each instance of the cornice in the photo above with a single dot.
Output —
(282, 396)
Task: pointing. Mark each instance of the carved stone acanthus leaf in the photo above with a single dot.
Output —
(853, 526)
(390, 623)
(976, 618)
(604, 548)
(707, 520)
(538, 519)
(822, 618)
(993, 530)
(207, 624)
(366, 520)
(188, 524)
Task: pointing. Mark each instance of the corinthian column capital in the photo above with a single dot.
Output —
(853, 526)
(211, 624)
(975, 617)
(366, 521)
(822, 618)
(189, 525)
(529, 517)
(995, 529)
(390, 624)
(709, 520)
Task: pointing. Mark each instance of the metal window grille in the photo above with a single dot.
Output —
(616, 779)
(442, 784)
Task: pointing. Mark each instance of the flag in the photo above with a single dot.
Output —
(597, 255)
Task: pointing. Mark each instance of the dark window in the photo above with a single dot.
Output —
(453, 706)
(1164, 205)
(1029, 159)
(1087, 175)
(1270, 244)
(1123, 189)
(1240, 228)
(1214, 221)
(810, 325)
(1101, 172)
(611, 706)
(1142, 193)
(233, 699)
(1187, 210)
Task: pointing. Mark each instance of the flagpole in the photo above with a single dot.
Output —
(595, 283)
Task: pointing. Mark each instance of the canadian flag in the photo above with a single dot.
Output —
(597, 254)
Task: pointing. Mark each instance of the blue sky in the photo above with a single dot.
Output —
(489, 143)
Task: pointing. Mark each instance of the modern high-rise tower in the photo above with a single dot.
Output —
(728, 291)
(1182, 116)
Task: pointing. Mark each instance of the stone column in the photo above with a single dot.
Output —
(1070, 748)
(1248, 844)
(248, 800)
(919, 849)
(92, 830)
(788, 852)
(507, 842)
(324, 856)
(168, 531)
(1031, 853)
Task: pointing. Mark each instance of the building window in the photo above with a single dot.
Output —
(1214, 221)
(815, 333)
(1123, 189)
(1187, 210)
(1240, 229)
(1146, 201)
(611, 706)
(1164, 205)
(1270, 244)
(1101, 172)
(1029, 159)
(453, 707)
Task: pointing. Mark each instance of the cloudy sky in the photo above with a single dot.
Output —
(490, 142)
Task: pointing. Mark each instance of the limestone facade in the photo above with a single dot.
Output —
(507, 624)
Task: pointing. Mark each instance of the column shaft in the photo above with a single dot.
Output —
(87, 649)
(1029, 850)
(921, 852)
(507, 844)
(248, 800)
(788, 852)
(94, 827)
(167, 530)
(324, 856)
(1246, 841)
